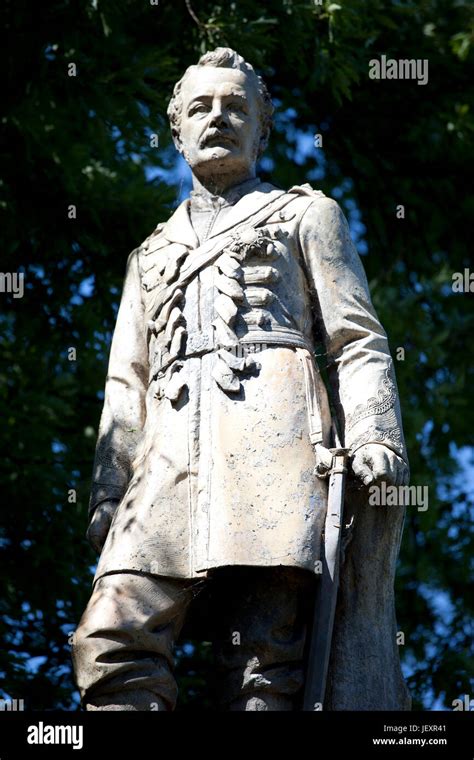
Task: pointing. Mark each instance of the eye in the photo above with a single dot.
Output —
(234, 106)
(199, 108)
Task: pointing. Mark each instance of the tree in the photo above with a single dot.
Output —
(89, 170)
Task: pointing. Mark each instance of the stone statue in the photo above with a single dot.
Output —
(205, 490)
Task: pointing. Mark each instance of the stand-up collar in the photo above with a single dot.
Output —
(203, 200)
(247, 198)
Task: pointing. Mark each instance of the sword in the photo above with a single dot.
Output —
(333, 462)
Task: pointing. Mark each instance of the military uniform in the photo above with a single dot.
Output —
(214, 402)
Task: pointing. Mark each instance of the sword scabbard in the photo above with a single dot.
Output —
(326, 595)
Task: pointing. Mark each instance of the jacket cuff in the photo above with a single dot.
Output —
(101, 492)
(377, 421)
(396, 448)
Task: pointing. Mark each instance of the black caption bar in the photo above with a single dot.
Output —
(377, 734)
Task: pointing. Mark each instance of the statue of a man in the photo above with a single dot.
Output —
(204, 478)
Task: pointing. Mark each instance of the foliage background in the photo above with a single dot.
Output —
(85, 140)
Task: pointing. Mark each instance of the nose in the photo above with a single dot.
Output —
(218, 115)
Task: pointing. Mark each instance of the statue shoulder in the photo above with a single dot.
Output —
(311, 201)
(149, 253)
(318, 207)
(307, 190)
(154, 239)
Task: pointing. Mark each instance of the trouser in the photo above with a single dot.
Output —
(123, 647)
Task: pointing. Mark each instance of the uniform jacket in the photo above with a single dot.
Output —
(214, 403)
(214, 400)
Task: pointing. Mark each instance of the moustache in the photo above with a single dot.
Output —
(217, 135)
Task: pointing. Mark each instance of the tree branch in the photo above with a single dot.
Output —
(193, 15)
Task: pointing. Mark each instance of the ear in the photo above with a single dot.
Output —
(176, 139)
(263, 142)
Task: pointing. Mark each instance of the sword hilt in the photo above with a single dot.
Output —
(330, 461)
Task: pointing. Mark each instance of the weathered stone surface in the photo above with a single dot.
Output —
(206, 457)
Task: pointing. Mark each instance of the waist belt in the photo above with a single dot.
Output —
(203, 342)
(278, 336)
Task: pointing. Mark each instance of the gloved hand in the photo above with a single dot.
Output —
(376, 462)
(100, 524)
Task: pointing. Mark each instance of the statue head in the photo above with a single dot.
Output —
(220, 114)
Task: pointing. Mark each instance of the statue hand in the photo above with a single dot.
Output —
(100, 524)
(375, 462)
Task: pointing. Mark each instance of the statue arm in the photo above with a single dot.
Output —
(124, 410)
(359, 361)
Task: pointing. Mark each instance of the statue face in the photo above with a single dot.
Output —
(220, 125)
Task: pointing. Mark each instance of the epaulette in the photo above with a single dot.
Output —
(156, 233)
(150, 260)
(306, 189)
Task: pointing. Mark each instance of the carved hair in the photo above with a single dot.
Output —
(225, 58)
